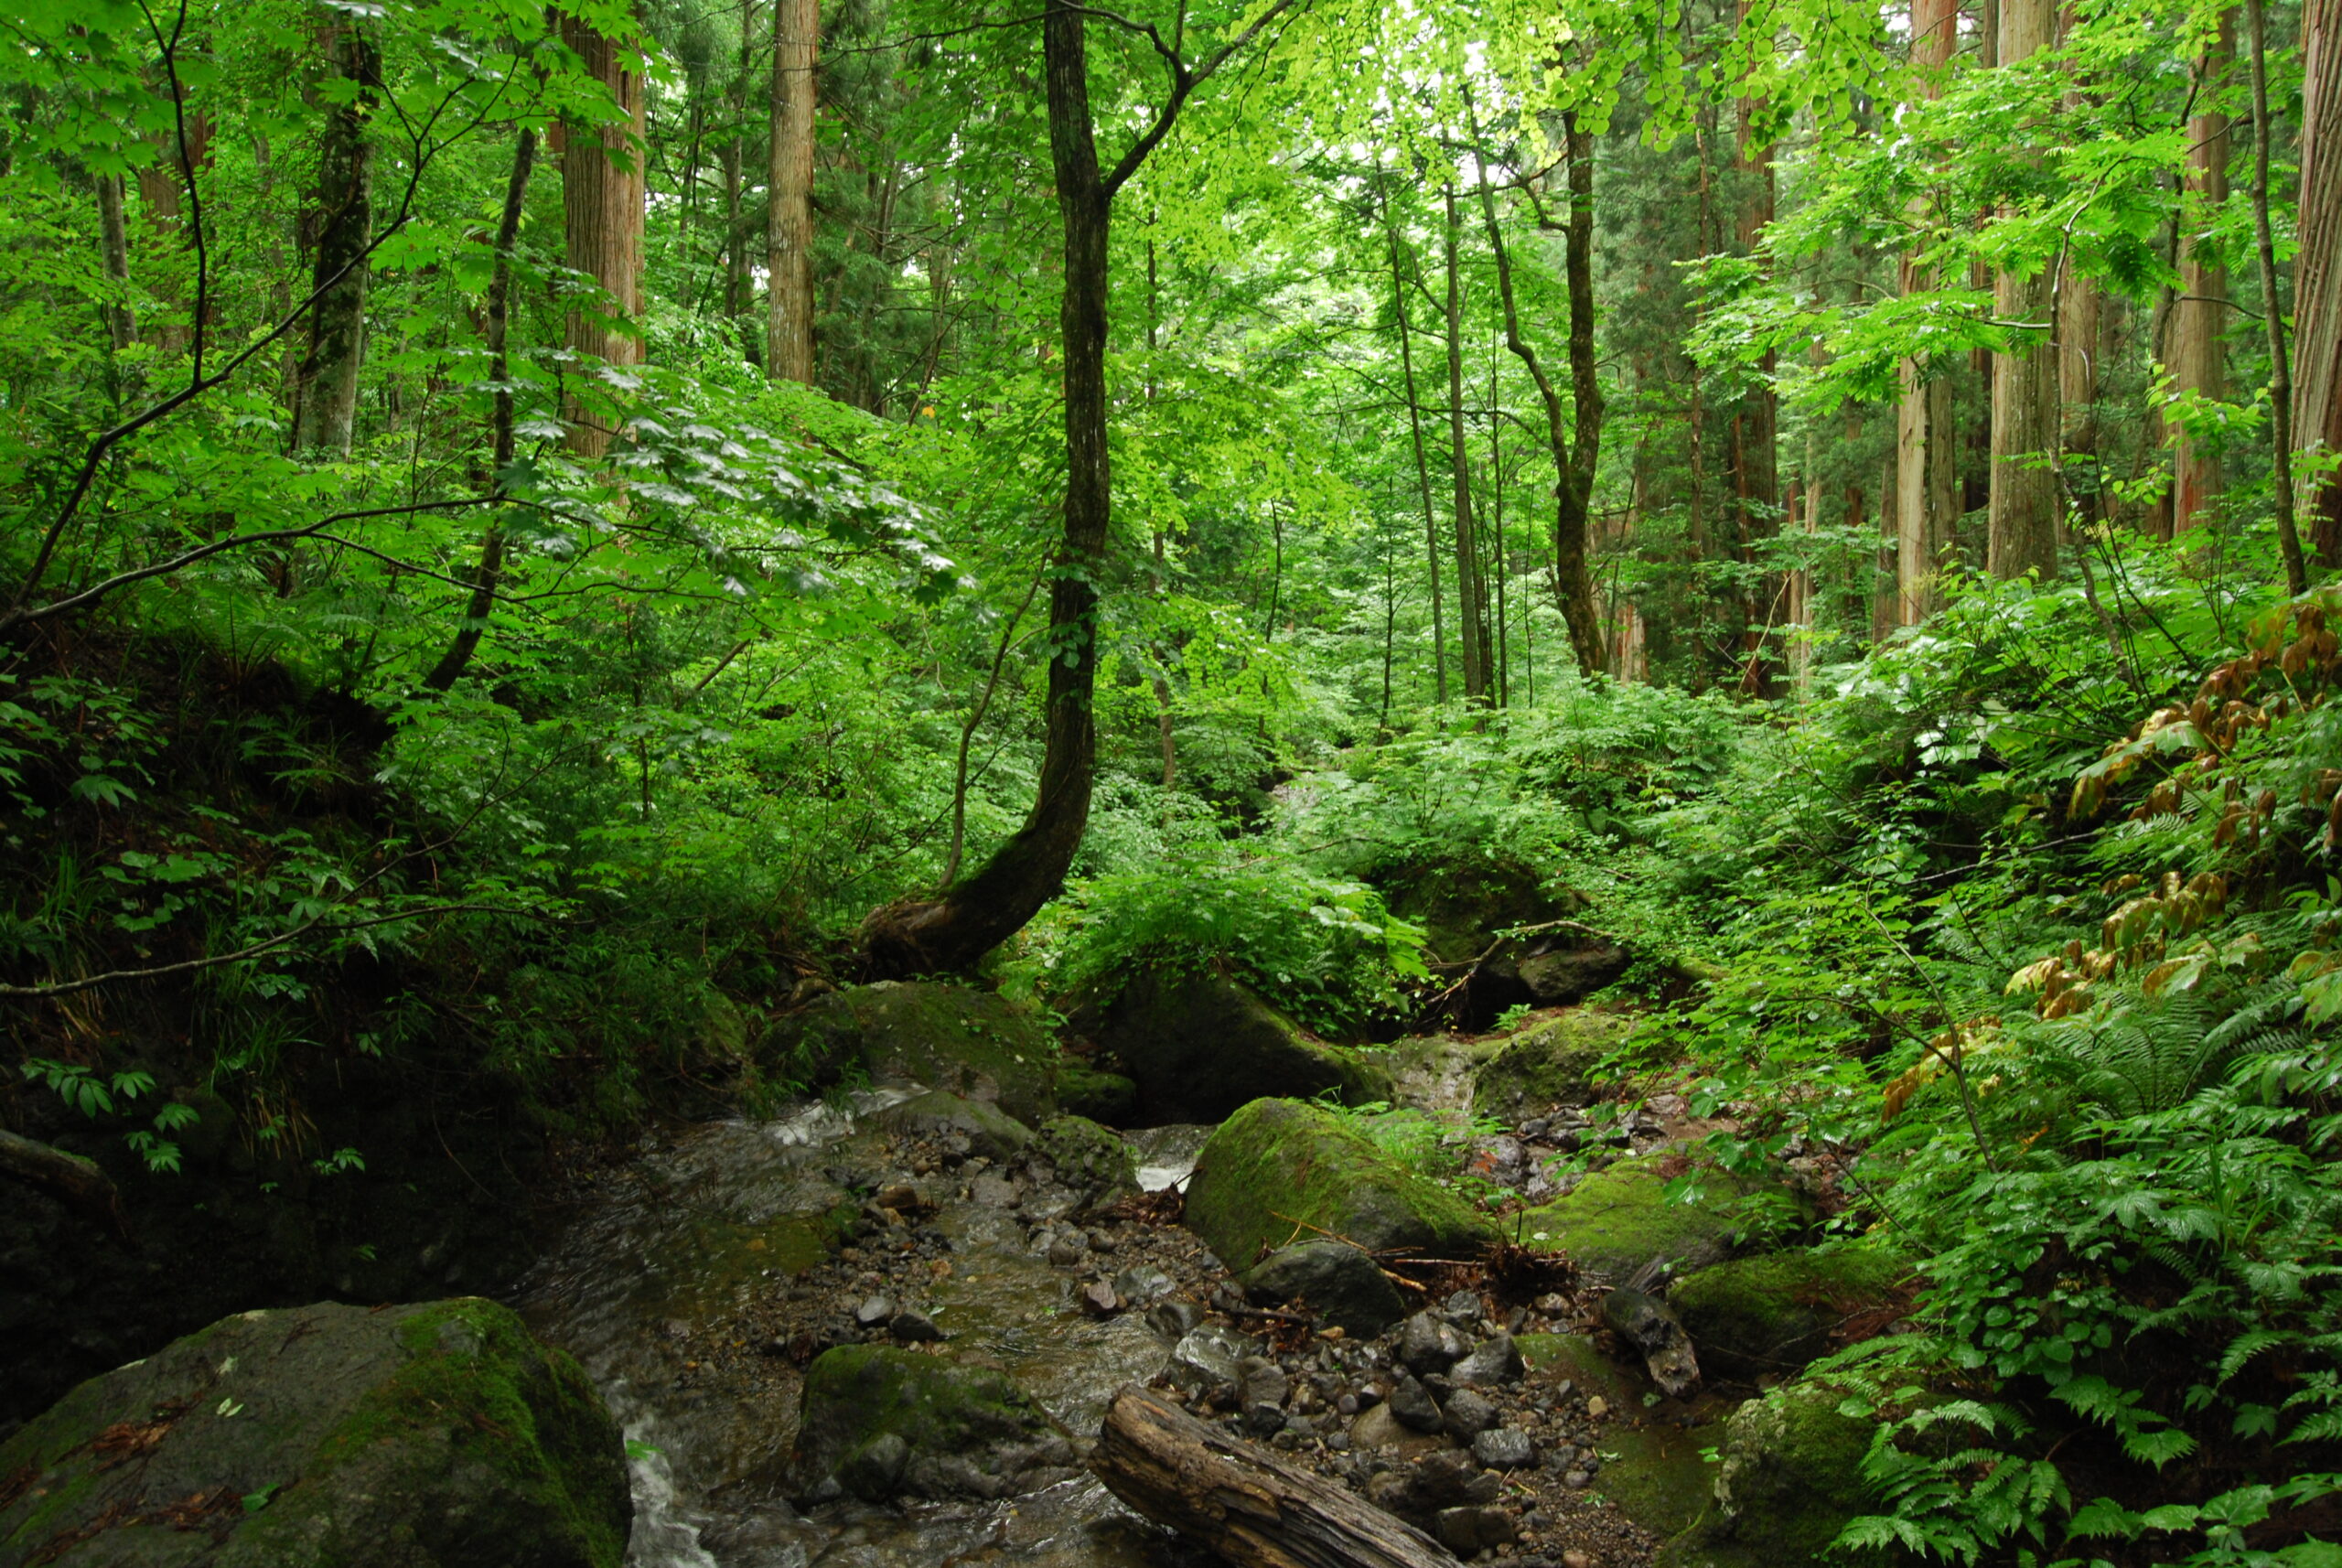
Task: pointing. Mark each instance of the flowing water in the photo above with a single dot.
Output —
(655, 1271)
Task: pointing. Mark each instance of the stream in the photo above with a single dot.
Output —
(656, 1269)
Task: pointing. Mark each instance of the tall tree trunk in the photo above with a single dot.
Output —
(113, 259)
(788, 222)
(1423, 464)
(1755, 428)
(2200, 317)
(1471, 612)
(1927, 446)
(601, 212)
(1885, 599)
(1573, 460)
(162, 196)
(490, 573)
(2317, 279)
(2281, 376)
(2023, 503)
(327, 391)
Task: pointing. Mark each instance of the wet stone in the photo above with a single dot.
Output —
(1210, 1359)
(1497, 1361)
(1144, 1284)
(1462, 1308)
(1428, 1345)
(914, 1327)
(1098, 1298)
(1504, 1448)
(1411, 1404)
(874, 1312)
(1174, 1319)
(1468, 1532)
(994, 1191)
(1468, 1414)
(1069, 1249)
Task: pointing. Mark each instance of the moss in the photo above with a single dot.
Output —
(1278, 1167)
(856, 1394)
(1106, 1097)
(1555, 1357)
(1617, 1221)
(1089, 1159)
(1792, 1472)
(1662, 1477)
(1775, 1313)
(1547, 1064)
(951, 1038)
(1200, 1046)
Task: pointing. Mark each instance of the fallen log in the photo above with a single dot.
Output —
(77, 1183)
(1233, 1497)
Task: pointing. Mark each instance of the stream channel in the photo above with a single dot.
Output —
(659, 1265)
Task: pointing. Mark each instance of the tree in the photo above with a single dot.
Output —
(2022, 524)
(325, 391)
(1471, 602)
(2199, 316)
(789, 221)
(2316, 402)
(602, 202)
(1927, 448)
(985, 907)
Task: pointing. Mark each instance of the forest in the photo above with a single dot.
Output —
(759, 711)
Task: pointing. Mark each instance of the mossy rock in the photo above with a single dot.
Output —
(1106, 1097)
(879, 1422)
(1618, 1222)
(1199, 1045)
(1460, 907)
(1278, 1167)
(990, 1131)
(1770, 1315)
(1090, 1159)
(1661, 1476)
(1574, 1356)
(439, 1434)
(1792, 1476)
(967, 1042)
(1546, 1065)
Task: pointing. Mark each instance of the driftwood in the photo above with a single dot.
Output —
(77, 1183)
(1231, 1497)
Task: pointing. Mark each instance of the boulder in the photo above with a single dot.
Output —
(1199, 1045)
(1771, 1315)
(945, 1036)
(1341, 1285)
(1106, 1097)
(1093, 1162)
(438, 1434)
(1564, 974)
(1278, 1167)
(990, 1131)
(1792, 1476)
(1546, 1065)
(879, 1422)
(1618, 1224)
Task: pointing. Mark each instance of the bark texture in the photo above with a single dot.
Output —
(2023, 507)
(325, 391)
(789, 220)
(1755, 428)
(1926, 494)
(1471, 601)
(1229, 1496)
(602, 214)
(2317, 283)
(2200, 317)
(113, 256)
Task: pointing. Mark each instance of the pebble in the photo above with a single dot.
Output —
(1069, 1249)
(1411, 1404)
(1597, 1407)
(914, 1327)
(872, 1312)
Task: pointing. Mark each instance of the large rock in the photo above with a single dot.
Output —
(1564, 974)
(969, 1042)
(1792, 1476)
(1092, 1161)
(1618, 1225)
(1107, 1097)
(1199, 1045)
(437, 1435)
(1278, 1167)
(990, 1131)
(879, 1422)
(1770, 1315)
(1546, 1065)
(1341, 1285)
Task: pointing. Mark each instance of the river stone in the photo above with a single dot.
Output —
(1773, 1314)
(1504, 1448)
(1412, 1405)
(1546, 1065)
(1199, 1045)
(1279, 1164)
(1561, 976)
(1210, 1359)
(966, 1431)
(1341, 1285)
(1429, 1344)
(1494, 1361)
(1618, 1224)
(953, 1038)
(1466, 1414)
(1095, 1163)
(435, 1434)
(990, 1131)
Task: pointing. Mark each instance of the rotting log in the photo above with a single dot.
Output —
(72, 1180)
(1225, 1494)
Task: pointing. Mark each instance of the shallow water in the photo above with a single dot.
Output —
(657, 1268)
